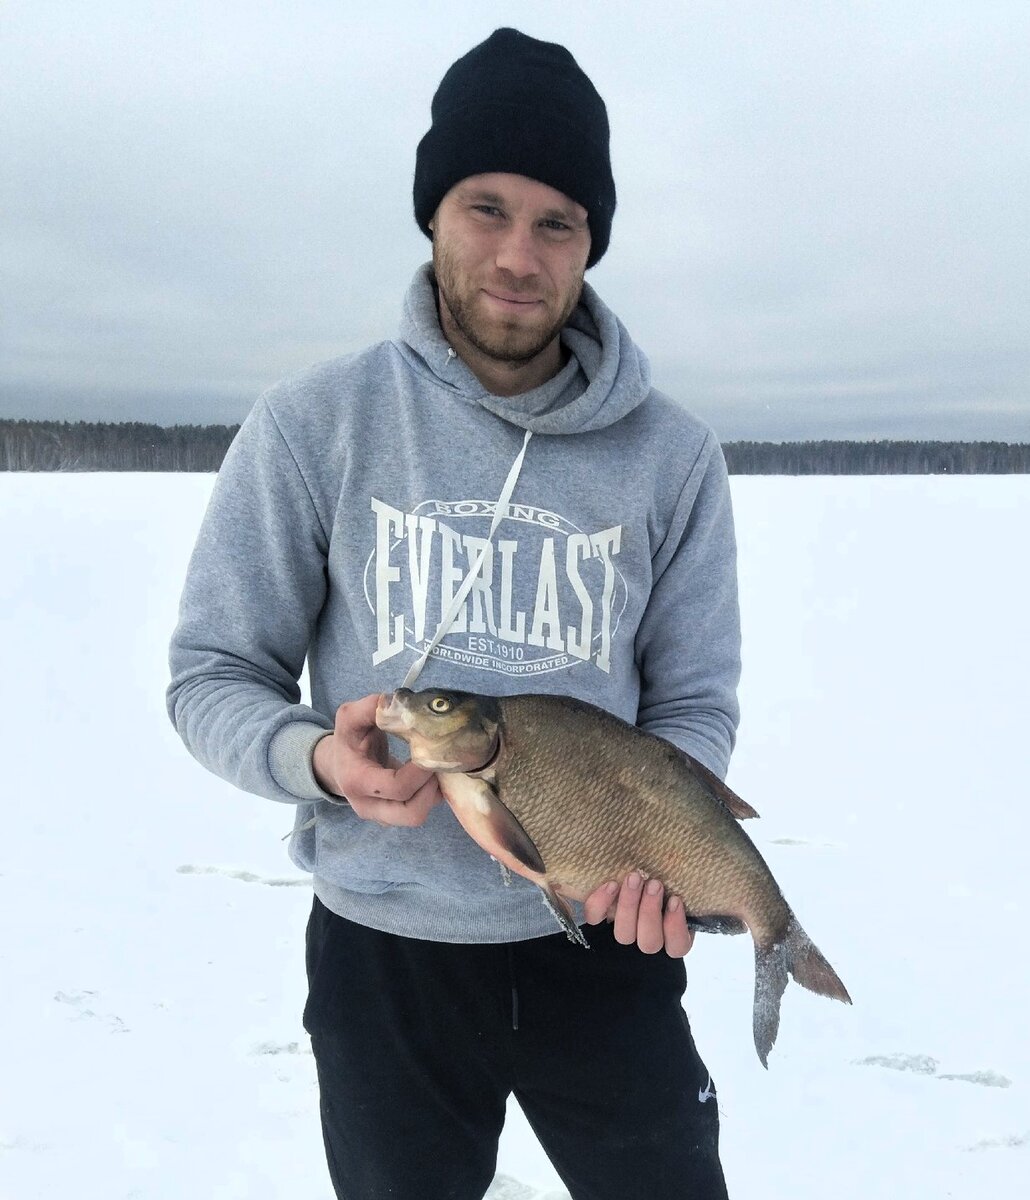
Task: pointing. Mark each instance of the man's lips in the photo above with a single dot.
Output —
(508, 300)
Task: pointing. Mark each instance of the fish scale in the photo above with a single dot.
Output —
(604, 829)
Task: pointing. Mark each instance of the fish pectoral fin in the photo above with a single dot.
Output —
(563, 914)
(726, 796)
(489, 822)
(510, 835)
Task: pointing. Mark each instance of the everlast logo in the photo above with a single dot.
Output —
(546, 596)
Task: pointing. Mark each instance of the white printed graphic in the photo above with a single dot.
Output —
(547, 595)
(706, 1092)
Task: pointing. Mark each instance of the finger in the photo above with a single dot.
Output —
(356, 731)
(365, 779)
(678, 937)
(426, 798)
(650, 933)
(388, 812)
(597, 905)
(411, 812)
(626, 909)
(356, 717)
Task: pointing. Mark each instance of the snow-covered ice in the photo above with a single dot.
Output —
(151, 952)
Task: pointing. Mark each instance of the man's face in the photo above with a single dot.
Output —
(509, 255)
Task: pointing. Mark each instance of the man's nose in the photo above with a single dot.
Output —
(517, 252)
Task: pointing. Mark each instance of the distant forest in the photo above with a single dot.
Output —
(134, 446)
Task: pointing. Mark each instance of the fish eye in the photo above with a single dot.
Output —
(440, 704)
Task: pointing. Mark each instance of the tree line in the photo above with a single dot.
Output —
(877, 458)
(136, 446)
(112, 446)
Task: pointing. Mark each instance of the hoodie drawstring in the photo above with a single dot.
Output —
(500, 512)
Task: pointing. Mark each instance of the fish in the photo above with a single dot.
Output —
(570, 796)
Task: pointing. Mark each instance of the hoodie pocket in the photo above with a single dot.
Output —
(354, 854)
(363, 857)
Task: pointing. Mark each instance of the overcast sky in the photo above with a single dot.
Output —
(822, 227)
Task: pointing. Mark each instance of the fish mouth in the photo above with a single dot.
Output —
(391, 715)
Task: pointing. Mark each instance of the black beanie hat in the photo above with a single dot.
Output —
(522, 106)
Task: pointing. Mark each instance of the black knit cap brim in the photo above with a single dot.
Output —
(521, 106)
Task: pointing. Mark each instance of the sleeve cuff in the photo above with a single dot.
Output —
(289, 760)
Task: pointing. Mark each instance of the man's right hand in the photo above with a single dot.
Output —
(354, 762)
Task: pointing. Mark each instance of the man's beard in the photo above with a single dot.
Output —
(516, 344)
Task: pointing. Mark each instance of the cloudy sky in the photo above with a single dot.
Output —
(823, 210)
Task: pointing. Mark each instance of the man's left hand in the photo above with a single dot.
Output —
(637, 911)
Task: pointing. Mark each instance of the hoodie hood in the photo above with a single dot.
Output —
(605, 378)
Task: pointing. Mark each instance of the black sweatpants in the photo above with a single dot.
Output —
(418, 1045)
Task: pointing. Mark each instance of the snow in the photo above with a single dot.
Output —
(152, 924)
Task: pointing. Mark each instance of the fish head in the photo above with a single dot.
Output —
(445, 730)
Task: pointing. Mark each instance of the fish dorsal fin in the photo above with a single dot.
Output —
(739, 808)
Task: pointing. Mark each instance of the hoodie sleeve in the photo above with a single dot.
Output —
(255, 586)
(688, 644)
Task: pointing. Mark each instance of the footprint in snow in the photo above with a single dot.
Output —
(266, 1048)
(243, 876)
(1012, 1142)
(21, 1143)
(83, 1003)
(983, 1078)
(506, 1188)
(923, 1064)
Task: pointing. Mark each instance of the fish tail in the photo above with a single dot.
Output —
(771, 965)
(809, 967)
(797, 955)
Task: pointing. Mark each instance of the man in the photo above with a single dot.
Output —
(383, 513)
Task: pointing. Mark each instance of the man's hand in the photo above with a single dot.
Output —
(636, 909)
(353, 762)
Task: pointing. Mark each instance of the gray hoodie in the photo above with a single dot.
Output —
(352, 505)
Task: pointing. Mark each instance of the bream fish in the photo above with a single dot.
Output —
(570, 796)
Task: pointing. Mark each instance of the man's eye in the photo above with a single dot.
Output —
(487, 209)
